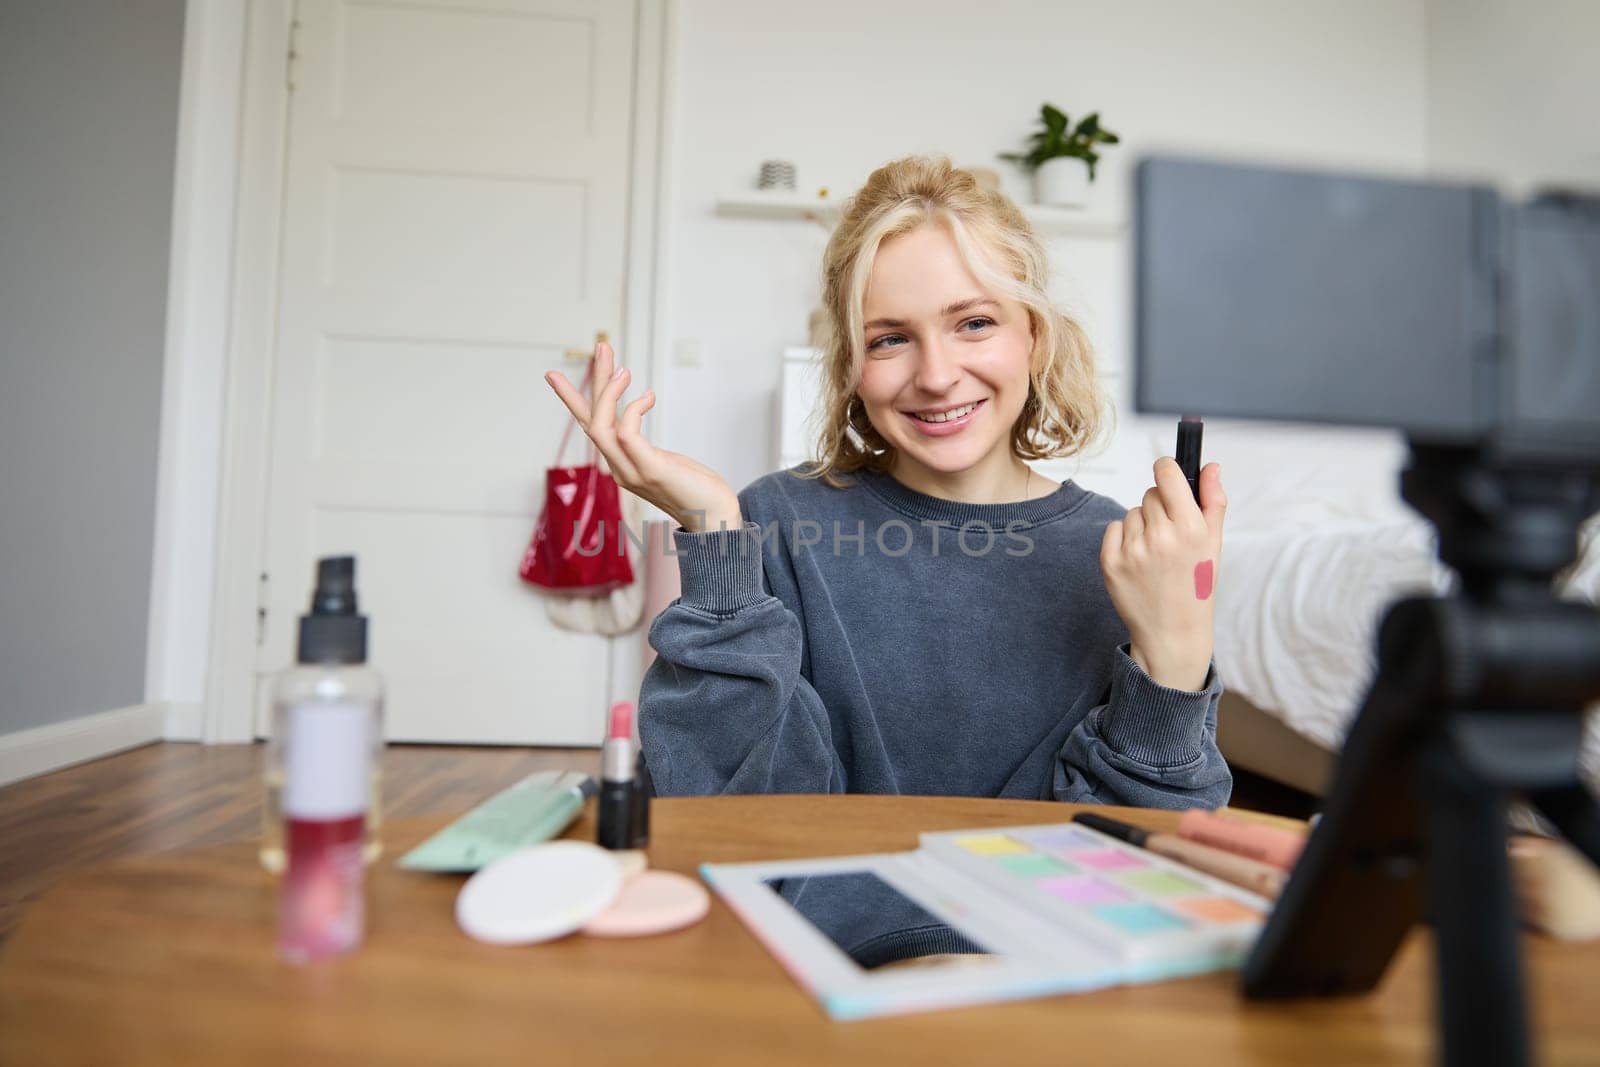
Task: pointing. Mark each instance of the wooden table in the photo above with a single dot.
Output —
(170, 960)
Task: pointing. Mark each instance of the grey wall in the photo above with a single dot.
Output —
(88, 125)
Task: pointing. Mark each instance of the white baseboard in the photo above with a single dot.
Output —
(184, 720)
(27, 753)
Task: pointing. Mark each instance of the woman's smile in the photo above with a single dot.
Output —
(947, 419)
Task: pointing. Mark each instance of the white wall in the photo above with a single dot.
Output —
(1512, 91)
(841, 87)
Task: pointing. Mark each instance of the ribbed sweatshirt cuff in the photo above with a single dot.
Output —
(1151, 723)
(720, 570)
(910, 944)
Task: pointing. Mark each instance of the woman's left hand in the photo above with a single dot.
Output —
(1160, 563)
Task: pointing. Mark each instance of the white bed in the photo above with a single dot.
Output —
(1297, 615)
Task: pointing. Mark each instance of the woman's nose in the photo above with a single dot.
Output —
(938, 369)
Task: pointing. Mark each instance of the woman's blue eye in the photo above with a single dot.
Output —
(979, 323)
(884, 340)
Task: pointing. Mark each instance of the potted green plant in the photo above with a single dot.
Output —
(1061, 157)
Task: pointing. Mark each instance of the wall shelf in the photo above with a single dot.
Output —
(1054, 221)
(753, 205)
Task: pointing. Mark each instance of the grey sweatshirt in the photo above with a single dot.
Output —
(874, 639)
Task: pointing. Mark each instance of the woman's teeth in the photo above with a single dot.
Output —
(946, 416)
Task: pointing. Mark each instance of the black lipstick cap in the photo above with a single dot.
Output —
(1190, 430)
(616, 808)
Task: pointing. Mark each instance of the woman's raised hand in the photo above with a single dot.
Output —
(1160, 563)
(692, 493)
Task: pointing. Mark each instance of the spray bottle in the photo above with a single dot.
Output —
(323, 767)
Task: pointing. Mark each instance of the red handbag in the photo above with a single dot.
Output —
(579, 547)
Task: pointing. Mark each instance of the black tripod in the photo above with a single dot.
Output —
(1478, 698)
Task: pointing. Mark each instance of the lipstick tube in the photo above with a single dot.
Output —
(1187, 452)
(617, 803)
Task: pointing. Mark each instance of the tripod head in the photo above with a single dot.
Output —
(1506, 523)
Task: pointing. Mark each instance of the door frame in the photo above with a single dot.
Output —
(230, 672)
(188, 464)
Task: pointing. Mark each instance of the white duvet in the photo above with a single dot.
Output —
(1301, 597)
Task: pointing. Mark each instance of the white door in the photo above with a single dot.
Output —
(454, 220)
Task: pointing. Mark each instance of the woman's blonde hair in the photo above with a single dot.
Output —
(1062, 413)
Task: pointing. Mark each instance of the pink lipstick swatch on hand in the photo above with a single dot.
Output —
(1204, 575)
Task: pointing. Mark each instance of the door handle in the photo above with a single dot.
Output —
(578, 355)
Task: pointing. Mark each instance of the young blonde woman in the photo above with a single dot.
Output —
(920, 612)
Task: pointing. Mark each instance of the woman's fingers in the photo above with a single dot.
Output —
(1111, 545)
(1172, 488)
(641, 453)
(669, 481)
(598, 421)
(611, 382)
(1155, 511)
(1133, 524)
(575, 401)
(634, 413)
(1213, 501)
(609, 387)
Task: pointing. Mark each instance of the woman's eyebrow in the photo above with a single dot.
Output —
(968, 305)
(954, 309)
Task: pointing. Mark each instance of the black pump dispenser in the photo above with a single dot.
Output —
(333, 632)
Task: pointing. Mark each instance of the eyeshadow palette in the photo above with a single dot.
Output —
(1134, 903)
(1030, 911)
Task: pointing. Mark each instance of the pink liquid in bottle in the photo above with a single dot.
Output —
(322, 910)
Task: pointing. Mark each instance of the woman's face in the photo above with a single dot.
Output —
(946, 369)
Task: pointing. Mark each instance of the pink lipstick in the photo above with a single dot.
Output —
(618, 804)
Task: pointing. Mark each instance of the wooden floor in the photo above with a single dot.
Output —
(172, 796)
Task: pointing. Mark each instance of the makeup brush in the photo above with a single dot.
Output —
(1257, 877)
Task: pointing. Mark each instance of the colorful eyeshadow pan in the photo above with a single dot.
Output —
(1161, 883)
(1139, 918)
(1034, 865)
(1138, 913)
(1217, 910)
(1082, 889)
(1063, 837)
(992, 845)
(1109, 859)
